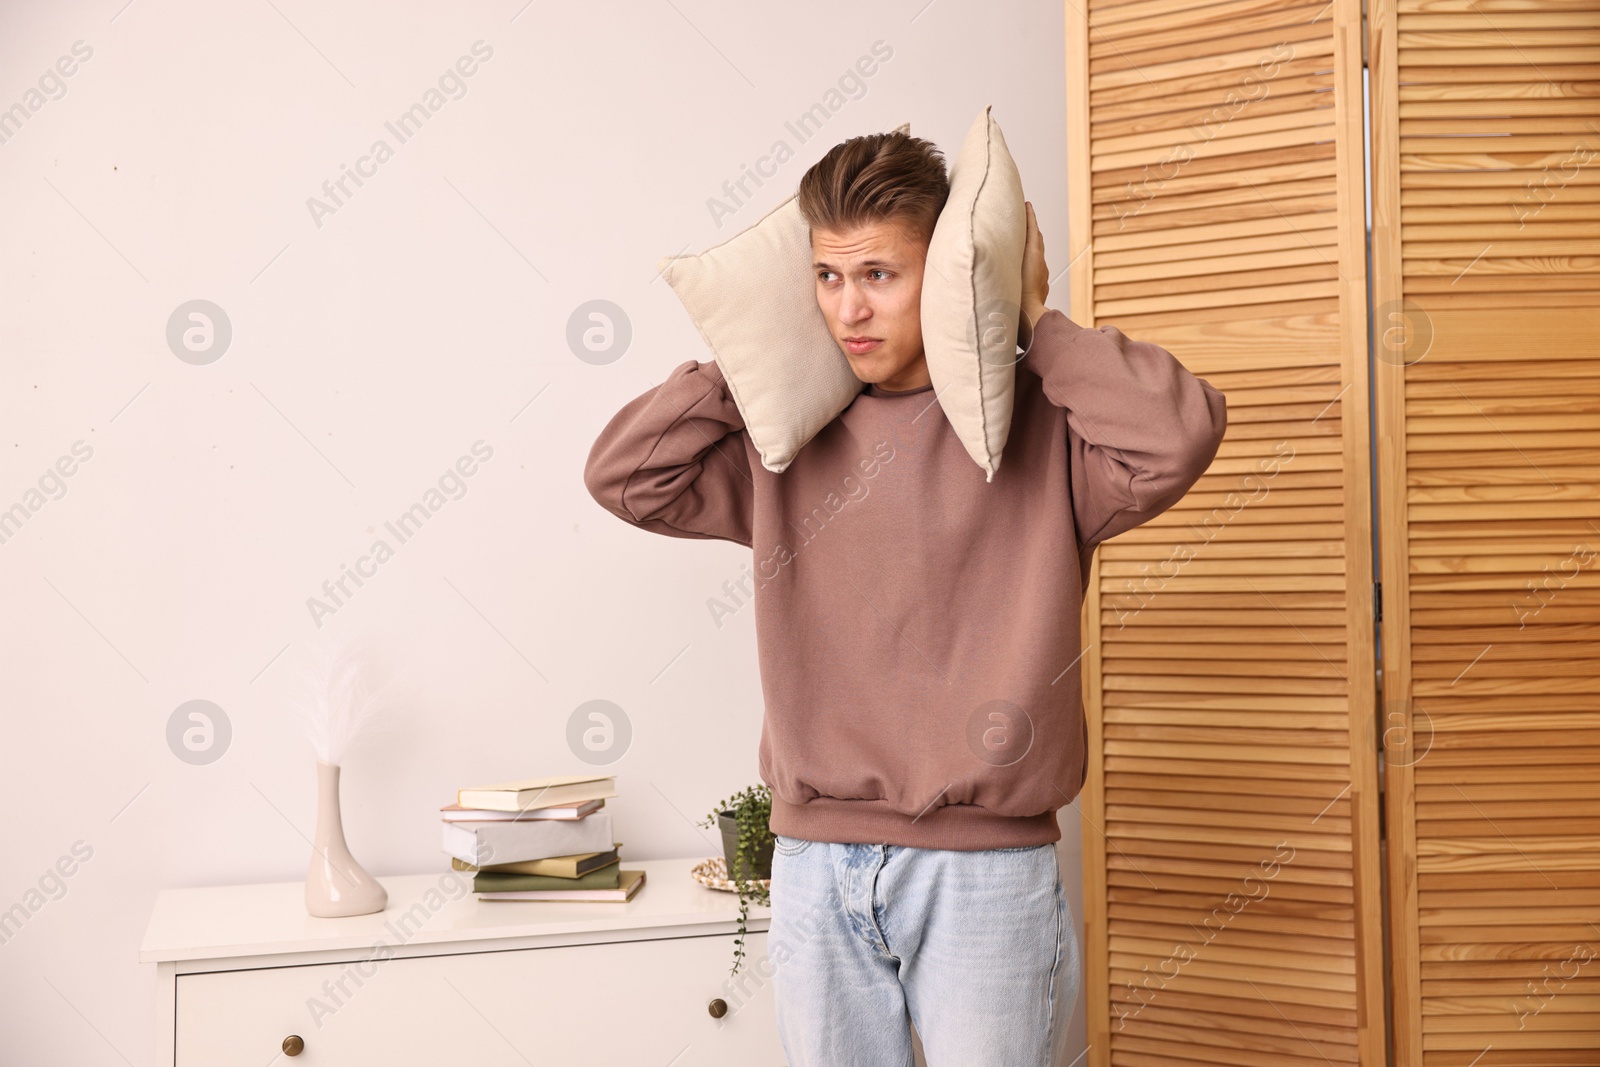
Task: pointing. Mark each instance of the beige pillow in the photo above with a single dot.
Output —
(972, 293)
(754, 299)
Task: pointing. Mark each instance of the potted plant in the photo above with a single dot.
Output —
(747, 849)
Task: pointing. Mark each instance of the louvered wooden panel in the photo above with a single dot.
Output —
(1232, 874)
(1486, 266)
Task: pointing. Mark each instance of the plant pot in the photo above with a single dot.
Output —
(728, 823)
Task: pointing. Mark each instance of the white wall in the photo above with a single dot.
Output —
(370, 349)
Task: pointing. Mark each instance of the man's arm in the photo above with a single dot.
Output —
(673, 460)
(1141, 429)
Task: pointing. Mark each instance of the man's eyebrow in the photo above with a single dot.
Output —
(865, 264)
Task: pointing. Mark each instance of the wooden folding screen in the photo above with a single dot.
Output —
(1486, 269)
(1233, 905)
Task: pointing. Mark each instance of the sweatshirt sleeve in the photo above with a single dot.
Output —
(673, 460)
(1141, 429)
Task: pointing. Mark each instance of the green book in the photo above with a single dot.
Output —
(607, 877)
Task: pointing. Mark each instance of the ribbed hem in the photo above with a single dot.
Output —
(962, 827)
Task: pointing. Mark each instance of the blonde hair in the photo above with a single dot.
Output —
(879, 177)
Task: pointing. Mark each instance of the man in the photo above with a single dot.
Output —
(917, 629)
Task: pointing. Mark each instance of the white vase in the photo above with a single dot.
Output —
(335, 883)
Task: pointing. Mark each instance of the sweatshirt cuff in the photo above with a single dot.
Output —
(1053, 329)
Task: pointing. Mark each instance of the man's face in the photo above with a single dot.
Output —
(869, 285)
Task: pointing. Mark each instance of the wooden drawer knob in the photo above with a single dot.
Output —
(293, 1045)
(718, 1008)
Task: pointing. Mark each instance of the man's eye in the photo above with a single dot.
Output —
(879, 270)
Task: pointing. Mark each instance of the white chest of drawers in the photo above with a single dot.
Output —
(439, 976)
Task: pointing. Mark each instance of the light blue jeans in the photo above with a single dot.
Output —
(977, 948)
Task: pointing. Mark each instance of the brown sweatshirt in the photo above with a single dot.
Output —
(917, 626)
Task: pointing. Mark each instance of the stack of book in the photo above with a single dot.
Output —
(539, 839)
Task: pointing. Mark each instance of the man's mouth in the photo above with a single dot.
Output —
(859, 345)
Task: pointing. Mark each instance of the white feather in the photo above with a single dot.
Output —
(336, 706)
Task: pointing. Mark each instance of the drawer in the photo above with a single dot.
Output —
(621, 1002)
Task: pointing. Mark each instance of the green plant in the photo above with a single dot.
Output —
(752, 810)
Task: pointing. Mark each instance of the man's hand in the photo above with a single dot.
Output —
(1035, 279)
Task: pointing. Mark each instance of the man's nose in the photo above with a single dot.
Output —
(852, 305)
